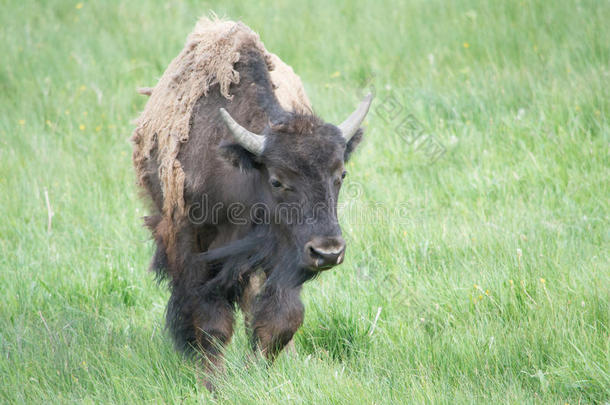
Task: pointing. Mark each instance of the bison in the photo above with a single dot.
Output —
(243, 180)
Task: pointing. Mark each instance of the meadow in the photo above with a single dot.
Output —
(477, 270)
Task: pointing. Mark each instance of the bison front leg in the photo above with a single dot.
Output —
(201, 323)
(213, 327)
(276, 315)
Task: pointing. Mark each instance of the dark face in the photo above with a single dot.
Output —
(300, 164)
(303, 174)
(301, 170)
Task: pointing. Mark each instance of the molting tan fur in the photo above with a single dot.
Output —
(288, 87)
(207, 59)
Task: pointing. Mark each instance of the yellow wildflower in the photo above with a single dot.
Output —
(466, 45)
(79, 6)
(81, 127)
(21, 122)
(335, 75)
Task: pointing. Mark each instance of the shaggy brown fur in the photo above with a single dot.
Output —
(208, 58)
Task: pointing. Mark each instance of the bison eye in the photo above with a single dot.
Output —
(343, 174)
(276, 183)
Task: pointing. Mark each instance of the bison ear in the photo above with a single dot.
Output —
(238, 156)
(352, 144)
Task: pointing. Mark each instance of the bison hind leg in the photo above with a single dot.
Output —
(159, 263)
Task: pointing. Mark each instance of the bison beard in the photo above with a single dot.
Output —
(216, 265)
(230, 269)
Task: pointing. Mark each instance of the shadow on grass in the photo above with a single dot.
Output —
(337, 335)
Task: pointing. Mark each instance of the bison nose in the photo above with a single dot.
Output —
(324, 253)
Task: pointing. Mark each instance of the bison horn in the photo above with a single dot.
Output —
(352, 123)
(248, 140)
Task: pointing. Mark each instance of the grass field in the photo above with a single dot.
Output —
(485, 279)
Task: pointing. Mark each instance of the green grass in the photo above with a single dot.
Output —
(493, 284)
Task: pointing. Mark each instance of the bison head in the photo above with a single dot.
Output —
(300, 164)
